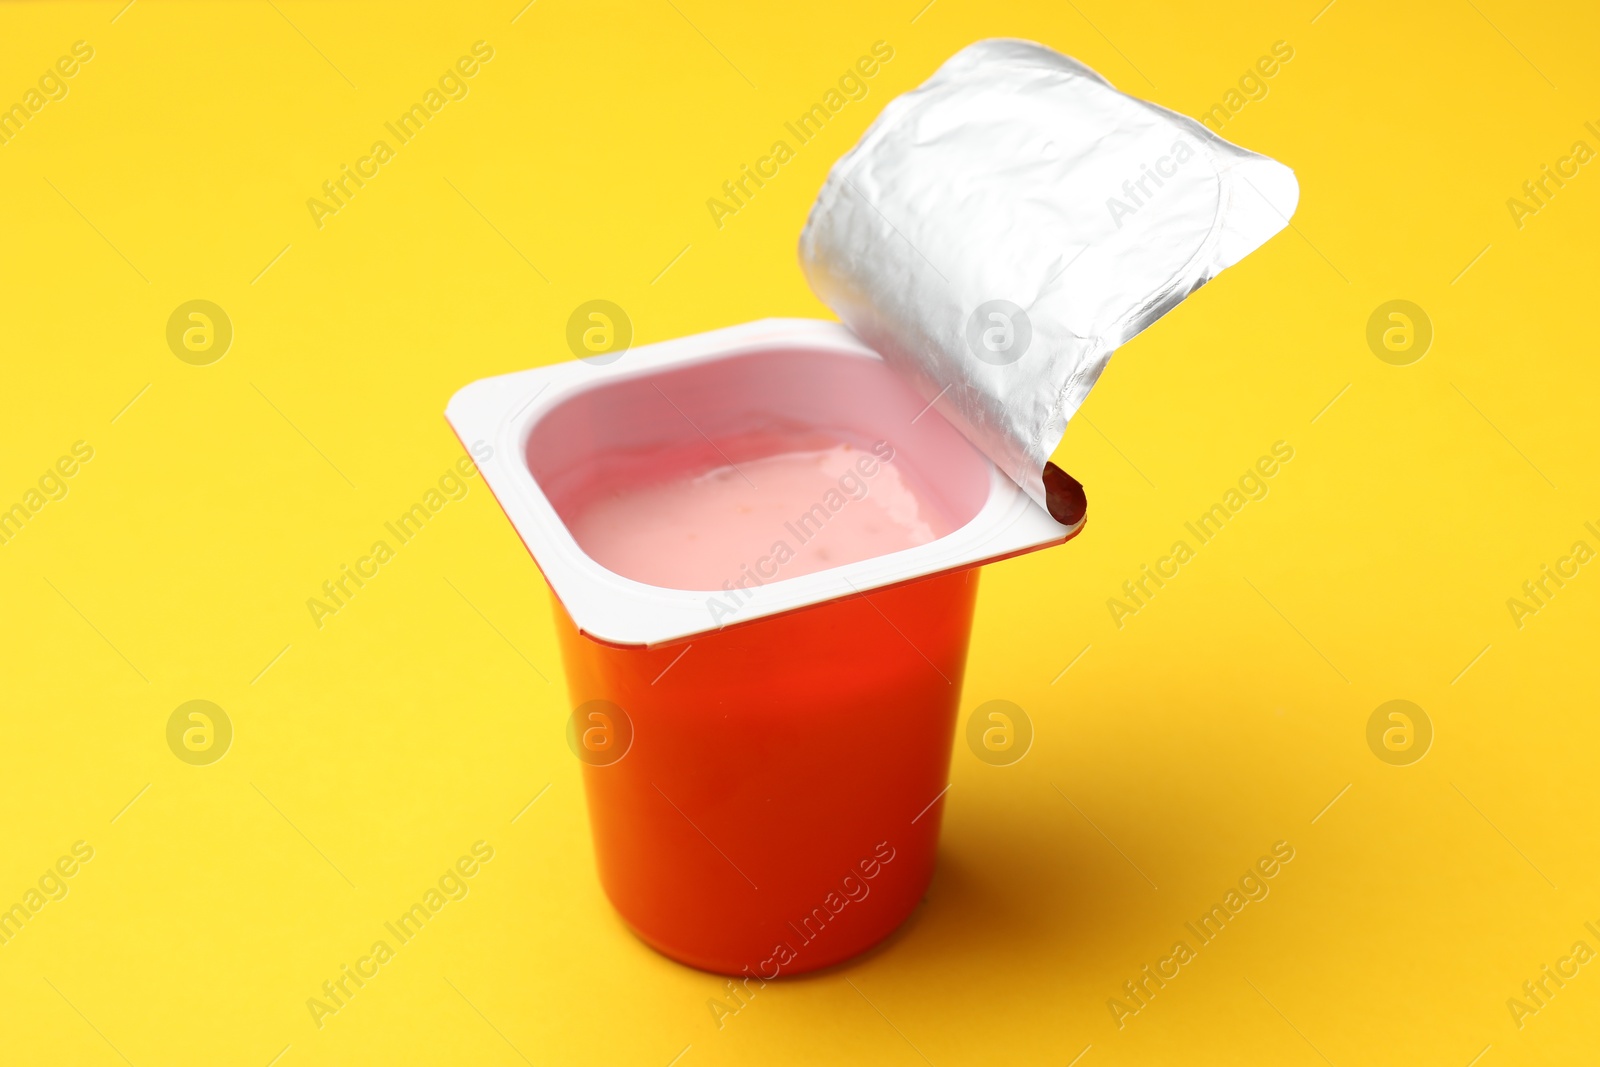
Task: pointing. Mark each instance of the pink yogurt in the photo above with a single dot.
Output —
(776, 515)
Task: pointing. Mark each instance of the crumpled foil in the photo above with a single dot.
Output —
(999, 231)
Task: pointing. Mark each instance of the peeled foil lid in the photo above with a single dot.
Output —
(999, 231)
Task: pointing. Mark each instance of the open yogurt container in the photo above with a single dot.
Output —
(758, 752)
(763, 541)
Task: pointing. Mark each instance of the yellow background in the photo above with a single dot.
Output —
(371, 753)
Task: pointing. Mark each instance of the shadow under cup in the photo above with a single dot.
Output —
(763, 797)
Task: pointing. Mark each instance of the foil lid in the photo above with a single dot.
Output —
(999, 231)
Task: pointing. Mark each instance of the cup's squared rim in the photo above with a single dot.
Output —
(503, 410)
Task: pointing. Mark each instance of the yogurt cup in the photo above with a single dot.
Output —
(764, 762)
(765, 756)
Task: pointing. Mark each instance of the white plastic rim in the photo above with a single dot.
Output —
(607, 607)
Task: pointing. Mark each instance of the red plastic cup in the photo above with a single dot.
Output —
(778, 809)
(764, 764)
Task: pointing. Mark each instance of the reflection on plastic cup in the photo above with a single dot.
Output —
(999, 733)
(599, 733)
(1399, 332)
(199, 332)
(199, 732)
(599, 332)
(999, 332)
(1399, 733)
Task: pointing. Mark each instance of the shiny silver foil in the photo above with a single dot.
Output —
(999, 231)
